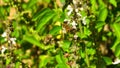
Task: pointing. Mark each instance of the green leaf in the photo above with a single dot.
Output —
(17, 64)
(107, 60)
(2, 13)
(117, 19)
(91, 51)
(31, 3)
(55, 30)
(117, 41)
(94, 5)
(62, 17)
(117, 50)
(87, 32)
(32, 40)
(99, 25)
(116, 27)
(44, 20)
(103, 14)
(58, 59)
(101, 4)
(66, 45)
(44, 59)
(61, 65)
(113, 2)
(61, 62)
(40, 14)
(8, 60)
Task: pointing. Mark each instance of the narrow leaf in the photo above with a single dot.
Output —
(47, 17)
(39, 14)
(103, 14)
(117, 19)
(107, 60)
(113, 2)
(99, 25)
(117, 50)
(117, 30)
(55, 30)
(32, 40)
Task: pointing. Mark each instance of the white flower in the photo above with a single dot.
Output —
(4, 34)
(12, 40)
(79, 14)
(84, 20)
(81, 8)
(67, 20)
(70, 9)
(3, 49)
(74, 1)
(74, 24)
(75, 36)
(117, 61)
(76, 10)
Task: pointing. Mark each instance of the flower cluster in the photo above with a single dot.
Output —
(75, 18)
(75, 15)
(10, 40)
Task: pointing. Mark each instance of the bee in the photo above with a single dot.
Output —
(66, 26)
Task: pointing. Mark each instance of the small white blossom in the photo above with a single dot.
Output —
(4, 34)
(13, 40)
(67, 20)
(75, 2)
(76, 10)
(75, 36)
(81, 8)
(117, 61)
(79, 14)
(84, 20)
(3, 49)
(70, 9)
(74, 24)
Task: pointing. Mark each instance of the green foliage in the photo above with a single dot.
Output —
(59, 33)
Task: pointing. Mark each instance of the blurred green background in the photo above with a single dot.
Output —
(59, 33)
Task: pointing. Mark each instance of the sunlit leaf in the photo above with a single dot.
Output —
(87, 32)
(17, 64)
(99, 25)
(55, 30)
(45, 19)
(117, 30)
(8, 61)
(117, 19)
(103, 14)
(113, 2)
(108, 60)
(115, 44)
(40, 14)
(31, 3)
(65, 45)
(101, 4)
(117, 50)
(32, 40)
(44, 59)
(58, 59)
(94, 5)
(61, 62)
